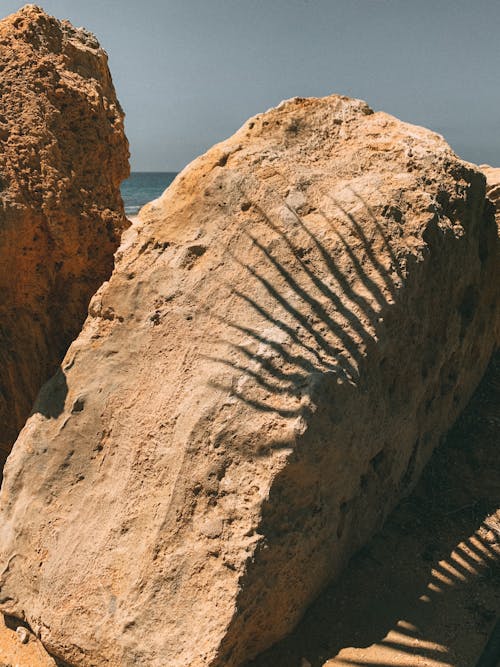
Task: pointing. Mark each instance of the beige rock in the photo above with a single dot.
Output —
(23, 634)
(63, 154)
(492, 185)
(289, 331)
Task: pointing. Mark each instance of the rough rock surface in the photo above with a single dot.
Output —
(63, 154)
(21, 648)
(493, 186)
(288, 332)
(493, 192)
(425, 591)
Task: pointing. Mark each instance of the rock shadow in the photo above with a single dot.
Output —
(52, 396)
(329, 318)
(49, 403)
(427, 587)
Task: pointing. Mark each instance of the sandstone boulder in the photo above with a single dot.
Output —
(63, 154)
(288, 332)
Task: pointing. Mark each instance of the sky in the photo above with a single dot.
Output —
(188, 73)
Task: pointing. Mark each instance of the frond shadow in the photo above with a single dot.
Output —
(323, 312)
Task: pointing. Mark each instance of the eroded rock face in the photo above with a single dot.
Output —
(493, 191)
(493, 185)
(63, 154)
(288, 333)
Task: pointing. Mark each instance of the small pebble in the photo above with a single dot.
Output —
(23, 634)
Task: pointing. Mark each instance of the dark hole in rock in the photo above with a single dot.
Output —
(377, 460)
(467, 308)
(78, 405)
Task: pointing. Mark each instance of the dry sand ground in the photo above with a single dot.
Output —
(426, 590)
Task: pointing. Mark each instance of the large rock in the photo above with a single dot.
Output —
(289, 331)
(63, 154)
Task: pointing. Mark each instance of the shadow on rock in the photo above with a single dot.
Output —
(428, 586)
(50, 401)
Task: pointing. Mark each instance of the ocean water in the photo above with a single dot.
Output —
(143, 186)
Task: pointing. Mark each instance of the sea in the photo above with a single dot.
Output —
(142, 187)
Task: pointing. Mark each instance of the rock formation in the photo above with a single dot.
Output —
(287, 334)
(63, 154)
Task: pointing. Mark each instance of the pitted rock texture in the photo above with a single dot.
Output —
(63, 154)
(492, 182)
(287, 334)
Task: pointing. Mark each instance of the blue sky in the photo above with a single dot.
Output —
(189, 72)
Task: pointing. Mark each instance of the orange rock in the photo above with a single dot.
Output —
(287, 334)
(63, 154)
(21, 649)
